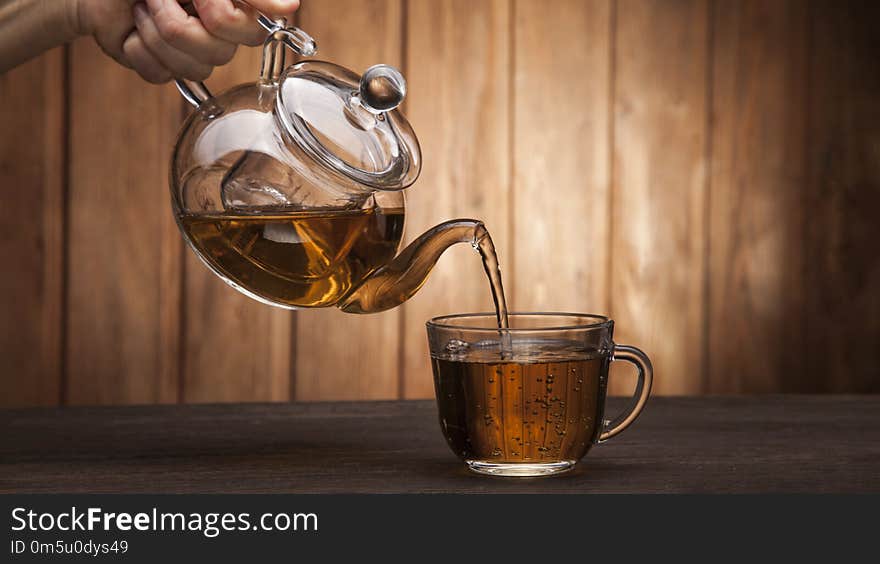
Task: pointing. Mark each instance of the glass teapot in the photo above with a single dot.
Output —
(290, 188)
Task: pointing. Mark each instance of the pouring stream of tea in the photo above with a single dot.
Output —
(483, 244)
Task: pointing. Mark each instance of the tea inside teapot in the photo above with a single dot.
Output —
(295, 258)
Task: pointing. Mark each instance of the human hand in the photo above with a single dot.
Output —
(160, 40)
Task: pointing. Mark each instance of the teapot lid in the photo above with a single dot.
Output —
(349, 123)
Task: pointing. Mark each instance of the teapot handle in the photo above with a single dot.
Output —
(196, 92)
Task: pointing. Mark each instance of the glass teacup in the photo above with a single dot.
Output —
(528, 401)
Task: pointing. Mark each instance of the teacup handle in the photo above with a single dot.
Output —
(296, 39)
(643, 390)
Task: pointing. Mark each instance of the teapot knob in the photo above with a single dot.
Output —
(382, 88)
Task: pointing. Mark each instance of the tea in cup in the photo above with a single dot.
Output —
(528, 400)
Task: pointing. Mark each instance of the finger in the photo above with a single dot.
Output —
(111, 26)
(275, 7)
(186, 33)
(230, 21)
(179, 63)
(142, 61)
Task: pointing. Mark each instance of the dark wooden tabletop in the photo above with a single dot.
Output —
(760, 444)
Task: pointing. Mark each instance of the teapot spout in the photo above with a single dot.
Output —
(401, 278)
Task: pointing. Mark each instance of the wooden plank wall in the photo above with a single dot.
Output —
(707, 171)
(658, 184)
(842, 325)
(757, 212)
(32, 170)
(123, 253)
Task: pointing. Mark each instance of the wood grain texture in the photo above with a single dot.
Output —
(124, 249)
(561, 157)
(343, 356)
(842, 324)
(235, 348)
(659, 186)
(31, 231)
(458, 63)
(808, 444)
(756, 258)
(707, 171)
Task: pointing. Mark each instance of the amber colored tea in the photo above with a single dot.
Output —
(544, 404)
(296, 258)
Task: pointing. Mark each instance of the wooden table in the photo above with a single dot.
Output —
(761, 444)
